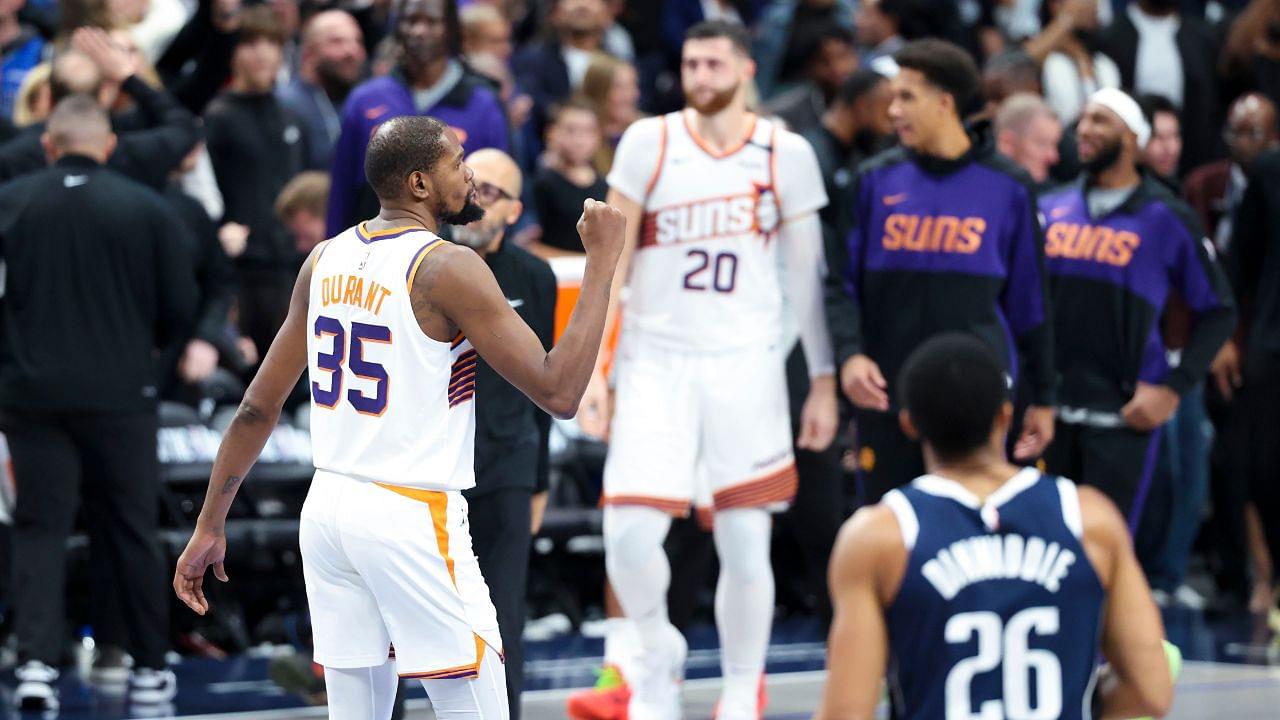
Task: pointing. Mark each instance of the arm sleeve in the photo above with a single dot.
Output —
(638, 158)
(1025, 299)
(802, 261)
(342, 188)
(844, 274)
(797, 177)
(545, 324)
(1197, 275)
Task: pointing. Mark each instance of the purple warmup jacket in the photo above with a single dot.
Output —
(471, 109)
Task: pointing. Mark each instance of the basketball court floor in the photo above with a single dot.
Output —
(1232, 672)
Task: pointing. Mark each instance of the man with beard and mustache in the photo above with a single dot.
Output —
(511, 432)
(333, 57)
(429, 80)
(1118, 244)
(390, 320)
(943, 237)
(715, 199)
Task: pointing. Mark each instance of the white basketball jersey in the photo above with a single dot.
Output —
(705, 275)
(388, 403)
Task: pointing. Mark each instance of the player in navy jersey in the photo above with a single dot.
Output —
(985, 590)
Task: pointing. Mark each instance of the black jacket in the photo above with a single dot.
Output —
(1253, 257)
(1202, 112)
(98, 276)
(257, 145)
(511, 431)
(158, 135)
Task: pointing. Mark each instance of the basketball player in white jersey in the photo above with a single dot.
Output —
(387, 318)
(722, 210)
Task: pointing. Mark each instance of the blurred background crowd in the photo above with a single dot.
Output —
(250, 121)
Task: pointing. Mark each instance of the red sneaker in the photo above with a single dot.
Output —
(606, 701)
(762, 700)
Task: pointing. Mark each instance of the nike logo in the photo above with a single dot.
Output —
(894, 199)
(75, 180)
(515, 303)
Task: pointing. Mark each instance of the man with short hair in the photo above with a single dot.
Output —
(428, 80)
(1118, 244)
(256, 145)
(99, 279)
(722, 220)
(985, 565)
(300, 207)
(332, 62)
(1027, 132)
(389, 321)
(828, 62)
(944, 237)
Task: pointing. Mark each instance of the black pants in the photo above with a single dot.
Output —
(1120, 462)
(500, 535)
(1261, 393)
(110, 459)
(887, 458)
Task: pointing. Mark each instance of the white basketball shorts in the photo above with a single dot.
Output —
(389, 566)
(711, 430)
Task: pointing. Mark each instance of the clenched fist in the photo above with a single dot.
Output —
(602, 228)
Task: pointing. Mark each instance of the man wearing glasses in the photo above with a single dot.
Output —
(511, 432)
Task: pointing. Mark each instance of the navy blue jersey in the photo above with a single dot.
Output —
(998, 613)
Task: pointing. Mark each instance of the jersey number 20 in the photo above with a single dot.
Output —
(1007, 647)
(332, 362)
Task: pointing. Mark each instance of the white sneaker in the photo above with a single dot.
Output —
(656, 692)
(152, 687)
(111, 667)
(1187, 597)
(36, 691)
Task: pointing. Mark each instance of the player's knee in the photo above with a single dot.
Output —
(633, 534)
(742, 538)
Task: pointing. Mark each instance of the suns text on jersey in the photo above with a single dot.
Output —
(711, 218)
(353, 290)
(998, 557)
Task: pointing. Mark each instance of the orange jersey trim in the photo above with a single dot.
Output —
(662, 156)
(778, 486)
(417, 261)
(678, 508)
(320, 251)
(438, 503)
(697, 139)
(461, 672)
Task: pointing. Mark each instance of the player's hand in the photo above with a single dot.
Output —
(1037, 433)
(198, 362)
(595, 412)
(115, 62)
(603, 230)
(1225, 369)
(1150, 407)
(863, 384)
(206, 547)
(820, 416)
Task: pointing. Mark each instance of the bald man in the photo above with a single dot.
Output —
(86, 424)
(511, 432)
(333, 61)
(1214, 190)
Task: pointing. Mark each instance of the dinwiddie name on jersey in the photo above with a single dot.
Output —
(998, 557)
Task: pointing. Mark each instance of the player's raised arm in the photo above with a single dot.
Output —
(252, 425)
(858, 646)
(1139, 681)
(459, 285)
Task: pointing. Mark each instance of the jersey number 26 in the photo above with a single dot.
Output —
(1005, 647)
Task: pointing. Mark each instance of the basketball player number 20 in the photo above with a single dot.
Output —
(332, 362)
(723, 269)
(1005, 646)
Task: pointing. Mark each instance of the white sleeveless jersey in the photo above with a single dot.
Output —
(388, 403)
(705, 275)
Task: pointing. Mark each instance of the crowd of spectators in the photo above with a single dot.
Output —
(250, 121)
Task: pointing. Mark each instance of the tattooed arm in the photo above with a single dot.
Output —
(241, 445)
